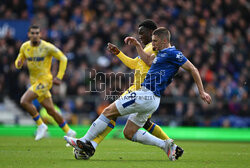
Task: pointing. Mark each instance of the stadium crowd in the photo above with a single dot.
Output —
(214, 35)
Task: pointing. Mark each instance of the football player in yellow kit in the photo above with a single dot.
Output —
(38, 54)
(141, 67)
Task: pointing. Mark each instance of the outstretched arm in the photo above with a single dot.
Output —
(20, 59)
(147, 58)
(129, 62)
(188, 66)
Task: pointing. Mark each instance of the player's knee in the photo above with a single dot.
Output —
(23, 102)
(107, 110)
(110, 113)
(127, 134)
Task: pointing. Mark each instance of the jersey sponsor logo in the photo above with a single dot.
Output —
(40, 86)
(36, 59)
(179, 57)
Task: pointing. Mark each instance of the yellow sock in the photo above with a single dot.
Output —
(157, 131)
(64, 126)
(38, 119)
(109, 128)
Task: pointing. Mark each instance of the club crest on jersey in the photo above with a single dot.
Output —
(179, 56)
(40, 86)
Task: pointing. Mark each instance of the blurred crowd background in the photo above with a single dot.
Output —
(214, 35)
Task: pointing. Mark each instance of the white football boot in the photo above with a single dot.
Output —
(170, 148)
(41, 131)
(70, 133)
(72, 142)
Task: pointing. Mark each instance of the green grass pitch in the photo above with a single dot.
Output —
(24, 152)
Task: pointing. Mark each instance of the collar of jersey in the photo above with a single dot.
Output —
(165, 49)
(41, 41)
(148, 44)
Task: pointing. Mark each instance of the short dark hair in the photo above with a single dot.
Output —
(150, 24)
(162, 32)
(34, 27)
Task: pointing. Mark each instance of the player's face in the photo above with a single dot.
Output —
(156, 43)
(159, 43)
(34, 35)
(145, 35)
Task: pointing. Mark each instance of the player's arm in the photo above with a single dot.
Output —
(62, 64)
(146, 57)
(188, 66)
(129, 62)
(20, 58)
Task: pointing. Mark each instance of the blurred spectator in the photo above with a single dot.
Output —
(190, 118)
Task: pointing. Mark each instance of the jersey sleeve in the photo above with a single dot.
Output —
(21, 56)
(55, 52)
(177, 58)
(129, 62)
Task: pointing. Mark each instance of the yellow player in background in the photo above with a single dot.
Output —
(141, 66)
(38, 54)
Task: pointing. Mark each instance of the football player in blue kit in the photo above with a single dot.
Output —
(143, 102)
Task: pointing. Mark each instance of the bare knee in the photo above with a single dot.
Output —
(24, 102)
(107, 111)
(130, 130)
(111, 112)
(128, 134)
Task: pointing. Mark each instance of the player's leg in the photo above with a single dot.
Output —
(86, 143)
(109, 128)
(155, 129)
(47, 103)
(132, 132)
(101, 137)
(26, 103)
(101, 123)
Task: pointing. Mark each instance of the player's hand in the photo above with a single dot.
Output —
(131, 41)
(206, 97)
(19, 63)
(57, 81)
(113, 49)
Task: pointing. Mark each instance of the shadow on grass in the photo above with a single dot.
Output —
(115, 160)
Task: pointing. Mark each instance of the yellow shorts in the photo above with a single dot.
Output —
(41, 89)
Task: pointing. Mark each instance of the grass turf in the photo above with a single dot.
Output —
(51, 152)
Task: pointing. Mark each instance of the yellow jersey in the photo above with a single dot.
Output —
(140, 67)
(39, 59)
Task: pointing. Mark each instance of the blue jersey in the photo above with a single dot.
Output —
(165, 65)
